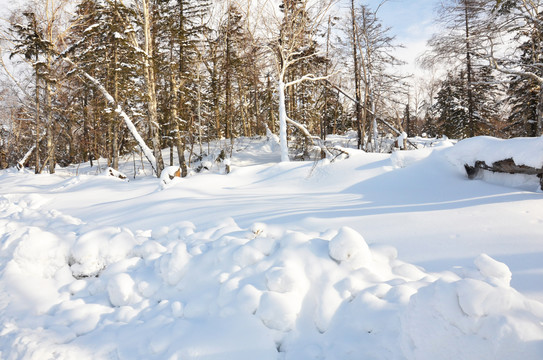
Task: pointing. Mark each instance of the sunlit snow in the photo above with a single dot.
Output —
(374, 256)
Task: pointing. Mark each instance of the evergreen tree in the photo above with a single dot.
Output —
(31, 41)
(523, 93)
(451, 107)
(455, 118)
(459, 43)
(102, 48)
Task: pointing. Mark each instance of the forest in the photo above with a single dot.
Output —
(91, 79)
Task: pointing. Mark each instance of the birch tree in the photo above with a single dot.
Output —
(298, 28)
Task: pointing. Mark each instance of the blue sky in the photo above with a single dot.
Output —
(411, 21)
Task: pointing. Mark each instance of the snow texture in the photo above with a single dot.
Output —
(93, 268)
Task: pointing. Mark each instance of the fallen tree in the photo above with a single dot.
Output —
(507, 166)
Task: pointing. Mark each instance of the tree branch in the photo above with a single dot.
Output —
(308, 77)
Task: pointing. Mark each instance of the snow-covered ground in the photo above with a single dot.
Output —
(372, 257)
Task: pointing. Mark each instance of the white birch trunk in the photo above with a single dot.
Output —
(20, 163)
(129, 124)
(283, 122)
(375, 136)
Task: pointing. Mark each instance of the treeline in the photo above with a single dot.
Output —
(102, 78)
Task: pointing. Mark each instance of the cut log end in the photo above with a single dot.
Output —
(472, 171)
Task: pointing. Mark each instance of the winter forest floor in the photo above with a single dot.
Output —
(377, 256)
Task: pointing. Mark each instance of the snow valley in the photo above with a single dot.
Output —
(373, 256)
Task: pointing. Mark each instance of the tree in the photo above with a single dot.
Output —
(523, 95)
(452, 104)
(460, 44)
(375, 46)
(295, 44)
(520, 20)
(178, 27)
(354, 43)
(104, 50)
(150, 83)
(30, 41)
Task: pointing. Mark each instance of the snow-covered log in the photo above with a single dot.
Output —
(21, 163)
(507, 166)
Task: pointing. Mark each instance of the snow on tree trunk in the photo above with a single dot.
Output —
(539, 111)
(21, 163)
(283, 122)
(118, 110)
(375, 136)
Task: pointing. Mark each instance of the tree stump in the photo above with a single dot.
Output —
(506, 166)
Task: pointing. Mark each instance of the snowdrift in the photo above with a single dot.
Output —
(70, 290)
(77, 289)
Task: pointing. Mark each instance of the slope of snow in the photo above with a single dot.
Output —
(376, 256)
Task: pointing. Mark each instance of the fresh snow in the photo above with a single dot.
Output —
(374, 256)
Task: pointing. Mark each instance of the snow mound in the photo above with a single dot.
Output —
(524, 151)
(472, 319)
(494, 271)
(181, 292)
(169, 176)
(350, 247)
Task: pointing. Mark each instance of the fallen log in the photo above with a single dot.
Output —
(506, 166)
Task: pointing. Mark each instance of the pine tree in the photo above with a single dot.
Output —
(31, 41)
(178, 26)
(451, 107)
(102, 48)
(460, 41)
(523, 93)
(456, 119)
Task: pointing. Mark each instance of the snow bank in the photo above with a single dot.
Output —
(180, 292)
(524, 151)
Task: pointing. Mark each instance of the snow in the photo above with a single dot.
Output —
(524, 151)
(378, 256)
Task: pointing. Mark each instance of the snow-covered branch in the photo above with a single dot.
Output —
(302, 128)
(308, 77)
(129, 124)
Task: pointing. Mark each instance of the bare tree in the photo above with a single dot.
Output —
(296, 29)
(375, 45)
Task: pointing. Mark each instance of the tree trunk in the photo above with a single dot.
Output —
(539, 112)
(270, 107)
(37, 168)
(154, 127)
(177, 129)
(114, 127)
(283, 122)
(469, 71)
(356, 79)
(86, 137)
(49, 130)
